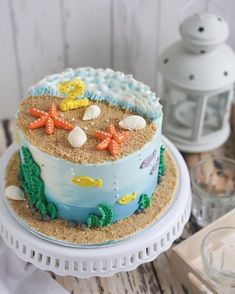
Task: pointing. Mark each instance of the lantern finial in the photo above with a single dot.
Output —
(203, 32)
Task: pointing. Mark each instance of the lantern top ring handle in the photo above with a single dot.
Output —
(183, 11)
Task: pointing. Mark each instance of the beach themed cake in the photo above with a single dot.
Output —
(90, 154)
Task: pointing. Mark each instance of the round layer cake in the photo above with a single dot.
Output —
(90, 145)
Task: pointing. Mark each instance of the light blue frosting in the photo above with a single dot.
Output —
(121, 177)
(105, 85)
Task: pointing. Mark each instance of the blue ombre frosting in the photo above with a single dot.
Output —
(120, 177)
(105, 85)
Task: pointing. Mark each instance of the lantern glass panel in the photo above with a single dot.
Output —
(215, 112)
(180, 113)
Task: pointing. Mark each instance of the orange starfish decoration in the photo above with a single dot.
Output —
(110, 139)
(48, 119)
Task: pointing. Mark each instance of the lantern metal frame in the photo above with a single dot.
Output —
(198, 142)
(199, 73)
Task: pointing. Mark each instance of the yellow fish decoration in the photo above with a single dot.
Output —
(73, 89)
(87, 182)
(127, 198)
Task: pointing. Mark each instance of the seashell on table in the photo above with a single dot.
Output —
(92, 112)
(77, 137)
(133, 122)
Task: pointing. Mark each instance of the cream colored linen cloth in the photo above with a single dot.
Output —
(18, 277)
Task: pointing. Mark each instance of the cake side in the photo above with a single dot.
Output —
(61, 230)
(117, 186)
(130, 177)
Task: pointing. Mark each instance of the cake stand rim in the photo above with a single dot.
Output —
(180, 213)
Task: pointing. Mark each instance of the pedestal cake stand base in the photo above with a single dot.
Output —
(106, 260)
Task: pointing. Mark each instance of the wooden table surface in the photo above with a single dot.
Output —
(153, 277)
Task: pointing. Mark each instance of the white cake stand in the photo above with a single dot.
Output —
(106, 260)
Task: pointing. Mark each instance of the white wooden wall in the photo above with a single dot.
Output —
(42, 37)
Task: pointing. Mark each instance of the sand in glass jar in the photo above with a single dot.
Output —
(213, 186)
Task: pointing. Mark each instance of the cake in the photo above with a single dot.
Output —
(90, 150)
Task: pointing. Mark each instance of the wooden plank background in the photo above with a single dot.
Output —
(42, 37)
(39, 38)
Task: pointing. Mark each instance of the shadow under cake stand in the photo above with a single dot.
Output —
(103, 260)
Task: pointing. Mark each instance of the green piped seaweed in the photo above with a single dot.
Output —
(162, 165)
(32, 184)
(106, 214)
(52, 210)
(105, 219)
(144, 201)
(93, 221)
(41, 206)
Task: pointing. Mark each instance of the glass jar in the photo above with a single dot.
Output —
(213, 187)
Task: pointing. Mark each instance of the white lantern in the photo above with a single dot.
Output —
(198, 75)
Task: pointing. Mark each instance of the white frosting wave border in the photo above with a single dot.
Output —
(105, 85)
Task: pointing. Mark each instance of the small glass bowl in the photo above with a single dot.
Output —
(218, 257)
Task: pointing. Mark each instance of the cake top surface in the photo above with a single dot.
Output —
(57, 143)
(88, 115)
(105, 85)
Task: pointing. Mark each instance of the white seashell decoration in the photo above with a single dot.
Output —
(14, 193)
(92, 112)
(133, 122)
(77, 137)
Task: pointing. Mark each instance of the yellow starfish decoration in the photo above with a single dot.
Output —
(73, 89)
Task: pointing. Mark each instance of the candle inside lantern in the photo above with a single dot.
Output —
(185, 114)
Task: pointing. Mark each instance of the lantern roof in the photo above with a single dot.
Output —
(212, 71)
(204, 29)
